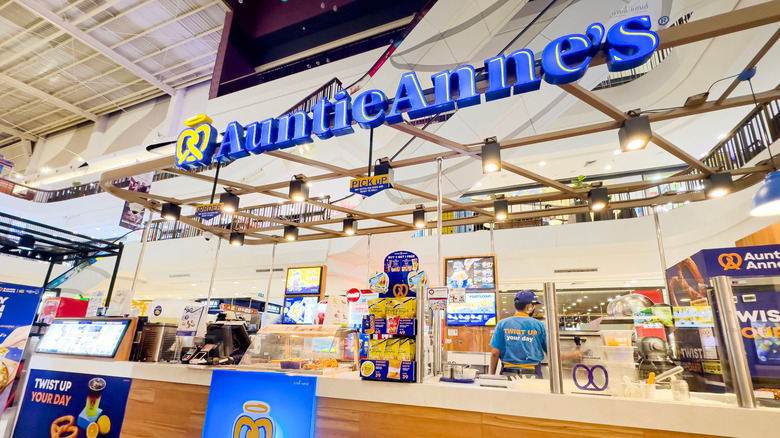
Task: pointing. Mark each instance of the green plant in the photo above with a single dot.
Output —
(579, 182)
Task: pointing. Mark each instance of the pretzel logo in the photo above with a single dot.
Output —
(195, 145)
(63, 427)
(246, 426)
(400, 290)
(730, 261)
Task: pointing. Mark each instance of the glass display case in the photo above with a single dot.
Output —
(305, 349)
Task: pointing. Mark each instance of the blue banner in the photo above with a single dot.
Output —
(17, 310)
(72, 405)
(244, 403)
(208, 211)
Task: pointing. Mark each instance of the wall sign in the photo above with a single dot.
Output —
(62, 405)
(17, 311)
(245, 403)
(627, 44)
(238, 309)
(370, 185)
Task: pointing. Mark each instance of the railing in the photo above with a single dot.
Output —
(327, 91)
(623, 77)
(298, 212)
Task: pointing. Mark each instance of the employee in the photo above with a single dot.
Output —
(520, 342)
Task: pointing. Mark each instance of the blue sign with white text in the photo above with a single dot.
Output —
(246, 404)
(627, 44)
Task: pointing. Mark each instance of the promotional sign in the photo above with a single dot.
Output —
(370, 185)
(304, 281)
(299, 310)
(96, 299)
(132, 213)
(337, 311)
(400, 268)
(121, 303)
(190, 320)
(62, 405)
(17, 310)
(247, 404)
(627, 44)
(758, 313)
(208, 211)
(238, 309)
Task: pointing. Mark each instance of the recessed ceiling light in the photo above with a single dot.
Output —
(617, 152)
(634, 281)
(607, 167)
(601, 304)
(235, 282)
(478, 184)
(579, 300)
(584, 296)
(722, 136)
(702, 155)
(627, 285)
(254, 287)
(542, 163)
(194, 284)
(97, 229)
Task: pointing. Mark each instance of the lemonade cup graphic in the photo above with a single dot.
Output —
(96, 387)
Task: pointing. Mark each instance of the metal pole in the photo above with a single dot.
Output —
(370, 150)
(270, 277)
(420, 358)
(553, 346)
(144, 241)
(216, 178)
(661, 252)
(48, 275)
(113, 276)
(732, 337)
(492, 238)
(438, 223)
(213, 272)
(438, 347)
(368, 261)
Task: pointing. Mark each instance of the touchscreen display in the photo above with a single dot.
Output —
(83, 337)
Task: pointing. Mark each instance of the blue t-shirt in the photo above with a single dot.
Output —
(522, 340)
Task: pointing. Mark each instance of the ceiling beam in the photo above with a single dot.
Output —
(17, 133)
(41, 9)
(164, 24)
(753, 62)
(46, 97)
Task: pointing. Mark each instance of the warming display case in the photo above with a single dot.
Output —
(313, 349)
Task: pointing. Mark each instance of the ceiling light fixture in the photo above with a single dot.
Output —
(171, 212)
(299, 190)
(491, 155)
(27, 242)
(418, 216)
(350, 226)
(718, 185)
(542, 163)
(237, 239)
(229, 202)
(501, 208)
(634, 133)
(598, 198)
(290, 232)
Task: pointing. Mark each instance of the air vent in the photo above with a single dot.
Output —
(266, 270)
(575, 270)
(179, 275)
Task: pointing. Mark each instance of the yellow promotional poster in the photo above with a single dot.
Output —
(370, 185)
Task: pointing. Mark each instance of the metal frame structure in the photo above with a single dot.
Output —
(395, 221)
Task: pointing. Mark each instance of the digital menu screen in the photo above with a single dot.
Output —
(474, 273)
(476, 309)
(303, 281)
(299, 310)
(98, 338)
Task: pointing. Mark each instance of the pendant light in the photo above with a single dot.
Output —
(27, 242)
(237, 239)
(634, 133)
(299, 191)
(229, 202)
(718, 185)
(350, 226)
(418, 217)
(766, 201)
(501, 208)
(491, 156)
(598, 198)
(171, 212)
(290, 232)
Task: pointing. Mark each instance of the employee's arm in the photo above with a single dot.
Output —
(494, 356)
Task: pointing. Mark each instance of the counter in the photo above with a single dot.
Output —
(167, 399)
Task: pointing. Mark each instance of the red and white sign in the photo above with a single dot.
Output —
(238, 309)
(353, 295)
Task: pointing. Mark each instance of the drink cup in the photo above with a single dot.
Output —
(96, 387)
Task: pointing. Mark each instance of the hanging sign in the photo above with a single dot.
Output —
(627, 44)
(370, 185)
(208, 211)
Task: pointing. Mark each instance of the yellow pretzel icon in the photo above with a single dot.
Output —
(400, 290)
(730, 261)
(192, 143)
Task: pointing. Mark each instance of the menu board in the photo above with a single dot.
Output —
(303, 281)
(477, 309)
(472, 273)
(99, 338)
(299, 310)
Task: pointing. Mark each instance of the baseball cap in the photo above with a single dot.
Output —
(526, 296)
